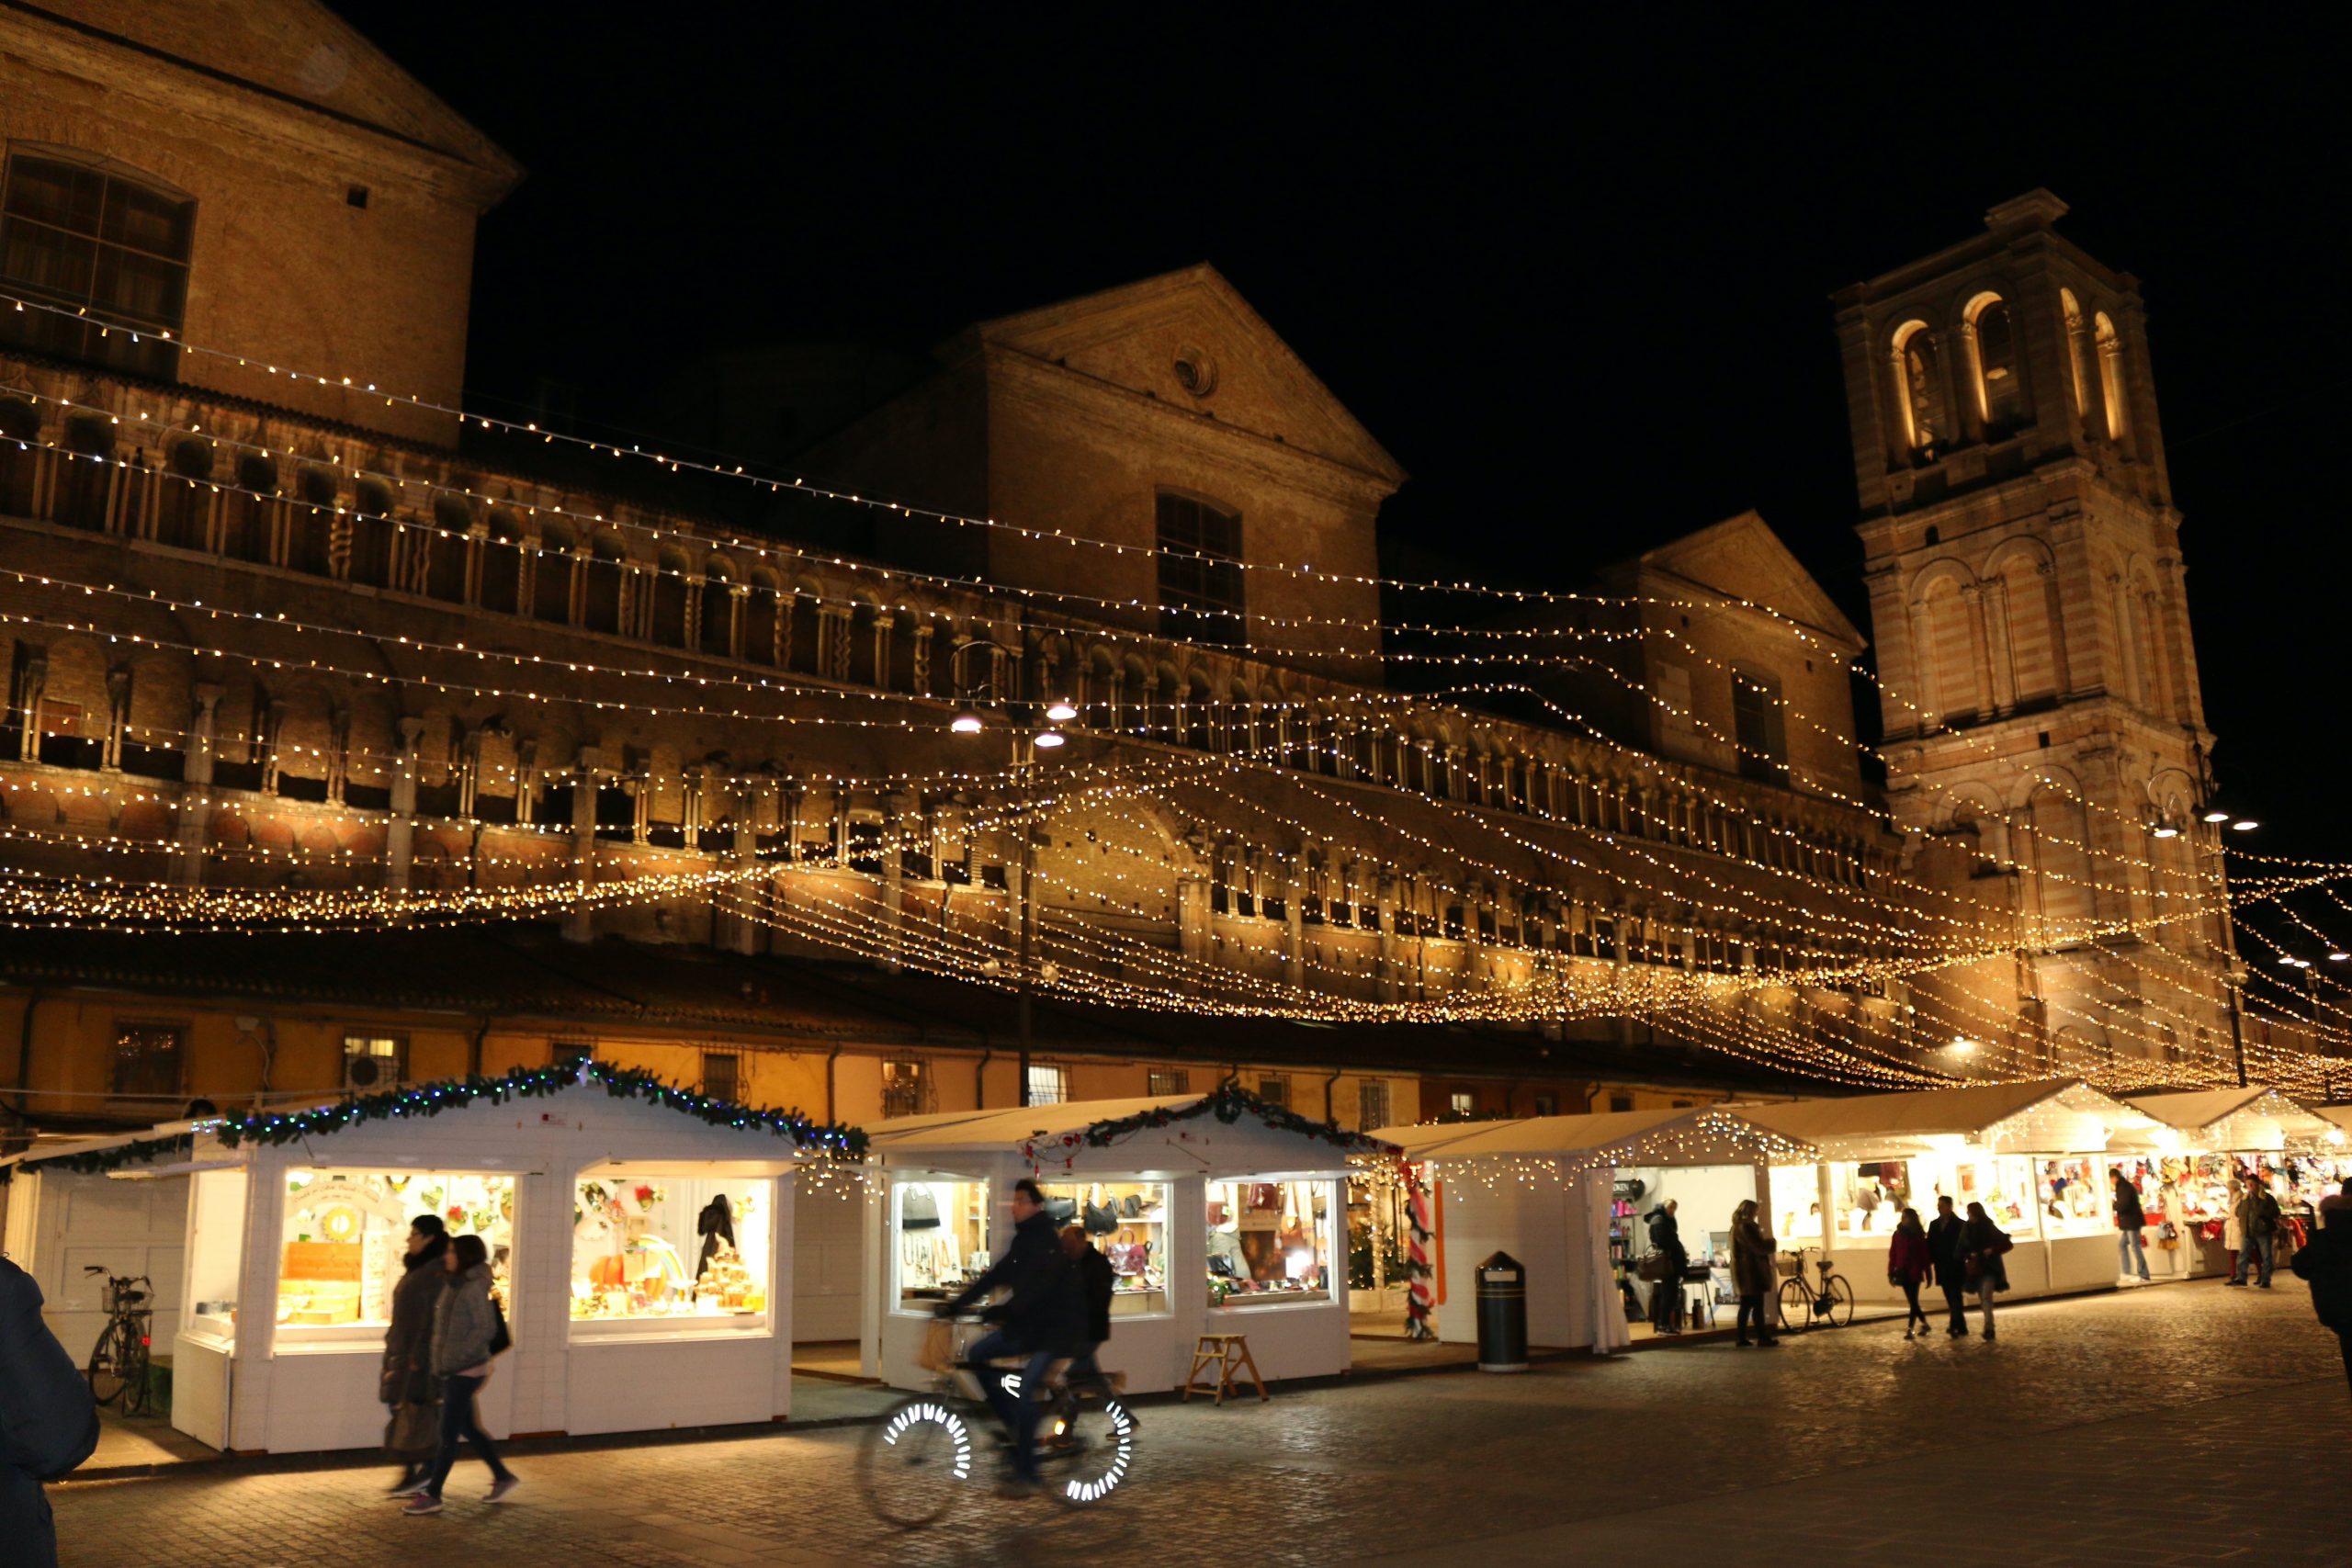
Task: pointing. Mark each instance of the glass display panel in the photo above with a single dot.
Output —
(1268, 1242)
(2000, 1182)
(1870, 1195)
(1795, 1219)
(2073, 1193)
(939, 1232)
(1127, 1222)
(672, 1247)
(347, 1232)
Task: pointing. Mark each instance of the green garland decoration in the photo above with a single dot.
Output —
(1228, 1103)
(828, 1141)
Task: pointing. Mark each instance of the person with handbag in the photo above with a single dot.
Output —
(1666, 1287)
(1952, 1272)
(2258, 1215)
(467, 1330)
(406, 1385)
(2129, 1220)
(1751, 1273)
(1909, 1264)
(48, 1422)
(1982, 1245)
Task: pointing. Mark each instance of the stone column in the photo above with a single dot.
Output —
(1192, 928)
(1996, 637)
(400, 831)
(196, 785)
(1385, 912)
(117, 718)
(742, 933)
(31, 681)
(579, 922)
(1294, 929)
(273, 726)
(895, 811)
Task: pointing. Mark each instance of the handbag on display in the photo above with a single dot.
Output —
(1101, 1219)
(1216, 1212)
(1133, 1206)
(920, 1212)
(1062, 1211)
(1265, 1195)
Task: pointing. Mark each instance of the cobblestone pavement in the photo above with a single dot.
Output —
(2172, 1426)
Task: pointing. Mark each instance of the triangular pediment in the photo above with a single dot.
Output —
(1189, 339)
(296, 51)
(1741, 557)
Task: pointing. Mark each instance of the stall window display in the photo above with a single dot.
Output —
(672, 1247)
(1871, 1196)
(1796, 1205)
(1268, 1242)
(2003, 1183)
(345, 1233)
(2072, 1195)
(939, 1232)
(1127, 1222)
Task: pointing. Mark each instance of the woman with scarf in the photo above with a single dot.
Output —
(406, 1384)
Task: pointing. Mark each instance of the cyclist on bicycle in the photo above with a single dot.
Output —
(1041, 1319)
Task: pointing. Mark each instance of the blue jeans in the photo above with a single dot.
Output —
(458, 1421)
(1018, 1412)
(2254, 1244)
(2128, 1246)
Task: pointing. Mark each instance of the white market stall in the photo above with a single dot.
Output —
(1567, 1196)
(2204, 1138)
(598, 1192)
(2034, 1153)
(1220, 1214)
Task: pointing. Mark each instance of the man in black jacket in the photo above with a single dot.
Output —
(47, 1424)
(2326, 1264)
(1944, 1251)
(1096, 1283)
(1041, 1319)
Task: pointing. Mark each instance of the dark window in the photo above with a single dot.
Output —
(374, 1060)
(1168, 1080)
(147, 1061)
(572, 1052)
(1996, 361)
(903, 1087)
(722, 1074)
(1547, 1105)
(1757, 726)
(1275, 1088)
(97, 240)
(1200, 572)
(356, 195)
(1620, 1102)
(1372, 1104)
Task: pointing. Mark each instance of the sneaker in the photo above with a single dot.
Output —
(503, 1487)
(414, 1489)
(1988, 1333)
(406, 1486)
(2266, 1284)
(422, 1503)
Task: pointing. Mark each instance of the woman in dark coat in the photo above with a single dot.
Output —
(1908, 1265)
(1666, 1294)
(1752, 1274)
(47, 1424)
(1982, 1243)
(407, 1382)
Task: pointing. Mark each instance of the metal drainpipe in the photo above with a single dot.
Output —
(25, 1060)
(1329, 1085)
(473, 1047)
(980, 1080)
(834, 1056)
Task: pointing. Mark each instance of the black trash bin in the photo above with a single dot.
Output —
(1502, 1314)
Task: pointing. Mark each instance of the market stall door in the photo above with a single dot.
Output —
(120, 1227)
(828, 1262)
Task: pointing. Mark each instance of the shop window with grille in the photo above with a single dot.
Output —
(1460, 1102)
(1275, 1088)
(722, 1074)
(105, 245)
(1200, 571)
(1168, 1080)
(1620, 1102)
(147, 1061)
(1371, 1105)
(1049, 1085)
(372, 1062)
(905, 1089)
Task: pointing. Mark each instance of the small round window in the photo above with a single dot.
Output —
(1195, 372)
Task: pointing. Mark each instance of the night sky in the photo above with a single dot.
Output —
(1575, 279)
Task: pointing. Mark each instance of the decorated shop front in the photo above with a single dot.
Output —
(2035, 1154)
(1219, 1214)
(2206, 1139)
(638, 1236)
(1571, 1199)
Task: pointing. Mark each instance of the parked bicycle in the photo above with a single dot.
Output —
(118, 1361)
(924, 1456)
(1802, 1306)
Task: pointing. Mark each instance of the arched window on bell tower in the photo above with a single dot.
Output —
(1991, 338)
(1924, 423)
(2110, 348)
(2078, 350)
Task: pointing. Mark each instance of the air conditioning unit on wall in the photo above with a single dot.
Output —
(365, 1074)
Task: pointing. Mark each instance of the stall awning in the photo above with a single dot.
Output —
(1680, 1136)
(2047, 1116)
(2228, 1120)
(1057, 1130)
(969, 1129)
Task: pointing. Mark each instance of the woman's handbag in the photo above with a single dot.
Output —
(1654, 1267)
(415, 1428)
(500, 1340)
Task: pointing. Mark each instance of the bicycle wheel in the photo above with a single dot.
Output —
(1841, 1302)
(138, 1355)
(1090, 1450)
(106, 1368)
(1796, 1303)
(915, 1464)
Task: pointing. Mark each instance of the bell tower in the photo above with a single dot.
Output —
(2044, 731)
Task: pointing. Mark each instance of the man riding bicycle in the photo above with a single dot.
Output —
(1042, 1319)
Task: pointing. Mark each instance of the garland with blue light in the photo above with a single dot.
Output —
(829, 1141)
(1228, 1103)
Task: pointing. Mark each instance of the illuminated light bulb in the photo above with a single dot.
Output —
(2217, 816)
(2338, 957)
(1964, 1046)
(2167, 832)
(1049, 738)
(2287, 959)
(1060, 713)
(2244, 825)
(966, 724)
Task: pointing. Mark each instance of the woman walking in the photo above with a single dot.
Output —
(1751, 1273)
(465, 1321)
(1982, 1243)
(1665, 1292)
(2129, 1219)
(406, 1385)
(1908, 1265)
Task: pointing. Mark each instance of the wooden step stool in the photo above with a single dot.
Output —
(1225, 1353)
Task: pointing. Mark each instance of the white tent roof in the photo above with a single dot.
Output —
(2049, 1115)
(1681, 1136)
(1011, 1129)
(2228, 1119)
